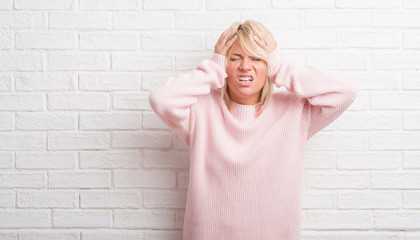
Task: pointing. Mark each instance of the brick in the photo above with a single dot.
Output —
(78, 61)
(79, 179)
(411, 200)
(22, 181)
(411, 4)
(20, 61)
(152, 80)
(362, 102)
(46, 40)
(396, 220)
(135, 62)
(7, 200)
(46, 121)
(411, 160)
(110, 199)
(410, 80)
(186, 63)
(163, 234)
(78, 101)
(44, 234)
(369, 160)
(157, 219)
(108, 5)
(6, 5)
(6, 121)
(367, 4)
(396, 18)
(110, 121)
(15, 102)
(79, 20)
(78, 140)
(109, 41)
(303, 4)
(337, 18)
(172, 42)
(369, 121)
(172, 5)
(334, 220)
(6, 82)
(237, 4)
(138, 21)
(318, 200)
(340, 181)
(412, 236)
(368, 39)
(395, 180)
(369, 200)
(395, 101)
(411, 120)
(110, 234)
(19, 218)
(394, 141)
(166, 159)
(182, 180)
(152, 121)
(109, 81)
(395, 61)
(211, 20)
(335, 141)
(319, 160)
(110, 159)
(5, 40)
(144, 139)
(46, 160)
(318, 235)
(45, 5)
(305, 39)
(46, 199)
(6, 160)
(411, 40)
(290, 19)
(22, 141)
(375, 80)
(45, 81)
(337, 61)
(138, 101)
(144, 179)
(165, 199)
(22, 20)
(81, 218)
(351, 235)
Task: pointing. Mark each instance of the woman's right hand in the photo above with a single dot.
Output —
(223, 44)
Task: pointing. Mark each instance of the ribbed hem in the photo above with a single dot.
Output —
(220, 60)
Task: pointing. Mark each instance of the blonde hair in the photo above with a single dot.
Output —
(246, 32)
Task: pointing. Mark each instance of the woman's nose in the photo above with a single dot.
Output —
(245, 65)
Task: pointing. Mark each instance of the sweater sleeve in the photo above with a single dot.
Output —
(174, 100)
(326, 96)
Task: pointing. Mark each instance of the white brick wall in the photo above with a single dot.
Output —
(83, 156)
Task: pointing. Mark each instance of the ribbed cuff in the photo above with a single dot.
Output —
(220, 60)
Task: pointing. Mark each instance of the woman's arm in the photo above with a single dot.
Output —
(327, 96)
(173, 100)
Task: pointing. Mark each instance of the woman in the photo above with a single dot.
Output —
(247, 143)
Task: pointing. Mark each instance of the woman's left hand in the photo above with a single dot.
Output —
(267, 42)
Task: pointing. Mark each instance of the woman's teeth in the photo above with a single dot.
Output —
(245, 79)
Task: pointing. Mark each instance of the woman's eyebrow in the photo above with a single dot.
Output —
(237, 54)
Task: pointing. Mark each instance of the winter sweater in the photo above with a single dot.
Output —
(245, 178)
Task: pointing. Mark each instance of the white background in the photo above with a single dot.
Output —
(83, 156)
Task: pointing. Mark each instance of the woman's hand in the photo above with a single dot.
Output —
(267, 42)
(223, 44)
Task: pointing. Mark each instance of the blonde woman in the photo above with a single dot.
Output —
(247, 143)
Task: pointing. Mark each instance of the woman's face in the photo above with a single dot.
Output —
(240, 67)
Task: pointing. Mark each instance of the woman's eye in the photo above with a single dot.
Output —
(256, 59)
(232, 59)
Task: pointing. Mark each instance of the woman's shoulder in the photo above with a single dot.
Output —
(282, 96)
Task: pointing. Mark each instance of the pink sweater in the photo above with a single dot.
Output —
(245, 178)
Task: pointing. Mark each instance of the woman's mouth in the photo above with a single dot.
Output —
(245, 81)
